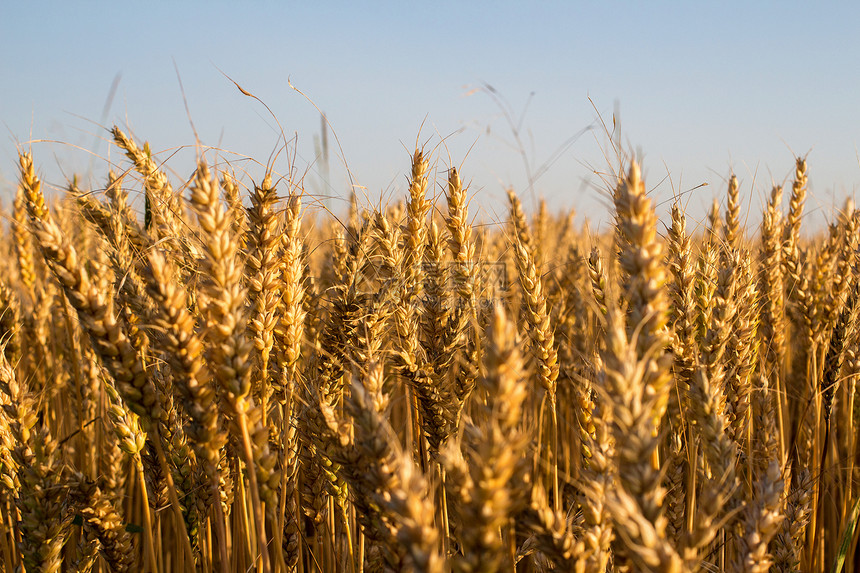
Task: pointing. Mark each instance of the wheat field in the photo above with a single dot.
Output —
(198, 375)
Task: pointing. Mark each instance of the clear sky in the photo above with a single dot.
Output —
(703, 88)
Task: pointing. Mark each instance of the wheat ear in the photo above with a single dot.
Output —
(228, 349)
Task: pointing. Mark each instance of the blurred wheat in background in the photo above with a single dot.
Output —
(225, 383)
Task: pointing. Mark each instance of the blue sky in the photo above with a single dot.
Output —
(703, 88)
